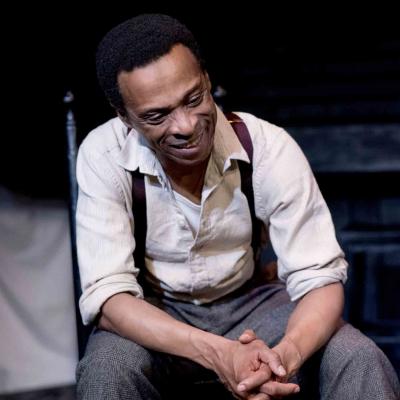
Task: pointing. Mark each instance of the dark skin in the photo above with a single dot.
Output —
(169, 102)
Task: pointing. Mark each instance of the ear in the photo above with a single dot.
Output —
(208, 82)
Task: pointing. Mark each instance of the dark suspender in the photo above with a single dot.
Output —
(246, 174)
(139, 213)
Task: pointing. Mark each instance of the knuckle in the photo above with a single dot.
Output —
(274, 357)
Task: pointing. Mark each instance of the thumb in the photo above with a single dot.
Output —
(247, 336)
(273, 360)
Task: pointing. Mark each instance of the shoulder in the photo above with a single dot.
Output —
(279, 165)
(265, 135)
(97, 169)
(259, 127)
(105, 139)
(268, 139)
(273, 144)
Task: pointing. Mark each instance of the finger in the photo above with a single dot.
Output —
(247, 336)
(273, 360)
(274, 388)
(256, 379)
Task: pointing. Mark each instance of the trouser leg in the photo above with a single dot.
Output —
(116, 368)
(353, 367)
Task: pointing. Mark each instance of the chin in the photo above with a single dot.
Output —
(187, 162)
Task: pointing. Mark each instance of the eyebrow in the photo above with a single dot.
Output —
(162, 110)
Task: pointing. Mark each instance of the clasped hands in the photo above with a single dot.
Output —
(252, 370)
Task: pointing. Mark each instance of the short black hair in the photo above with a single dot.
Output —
(136, 43)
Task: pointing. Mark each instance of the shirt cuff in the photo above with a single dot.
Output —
(96, 295)
(301, 282)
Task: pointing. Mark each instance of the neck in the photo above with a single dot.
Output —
(188, 181)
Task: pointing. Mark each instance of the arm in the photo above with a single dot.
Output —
(310, 260)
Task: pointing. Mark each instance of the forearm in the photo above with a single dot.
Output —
(312, 323)
(145, 324)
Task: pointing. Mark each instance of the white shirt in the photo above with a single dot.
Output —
(202, 266)
(190, 210)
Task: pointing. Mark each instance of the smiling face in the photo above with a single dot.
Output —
(169, 102)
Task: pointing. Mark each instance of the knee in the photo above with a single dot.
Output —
(351, 361)
(111, 358)
(349, 348)
(365, 354)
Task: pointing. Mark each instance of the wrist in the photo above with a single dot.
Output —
(290, 354)
(209, 350)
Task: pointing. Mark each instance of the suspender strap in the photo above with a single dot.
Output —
(246, 175)
(139, 213)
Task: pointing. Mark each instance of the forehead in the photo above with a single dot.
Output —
(162, 82)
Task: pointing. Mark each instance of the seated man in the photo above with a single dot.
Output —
(200, 288)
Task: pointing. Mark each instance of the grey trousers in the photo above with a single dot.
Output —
(350, 366)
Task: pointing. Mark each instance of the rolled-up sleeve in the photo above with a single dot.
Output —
(300, 226)
(105, 238)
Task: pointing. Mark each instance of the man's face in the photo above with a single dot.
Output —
(169, 102)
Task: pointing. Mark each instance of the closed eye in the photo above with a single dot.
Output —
(155, 119)
(158, 116)
(196, 100)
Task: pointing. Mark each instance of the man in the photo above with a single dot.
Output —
(201, 288)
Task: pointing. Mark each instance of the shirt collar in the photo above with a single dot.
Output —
(136, 154)
(227, 146)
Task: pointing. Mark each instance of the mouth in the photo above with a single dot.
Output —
(188, 144)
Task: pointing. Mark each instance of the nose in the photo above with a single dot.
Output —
(182, 122)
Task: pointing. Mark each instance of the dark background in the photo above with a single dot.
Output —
(331, 76)
(291, 66)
